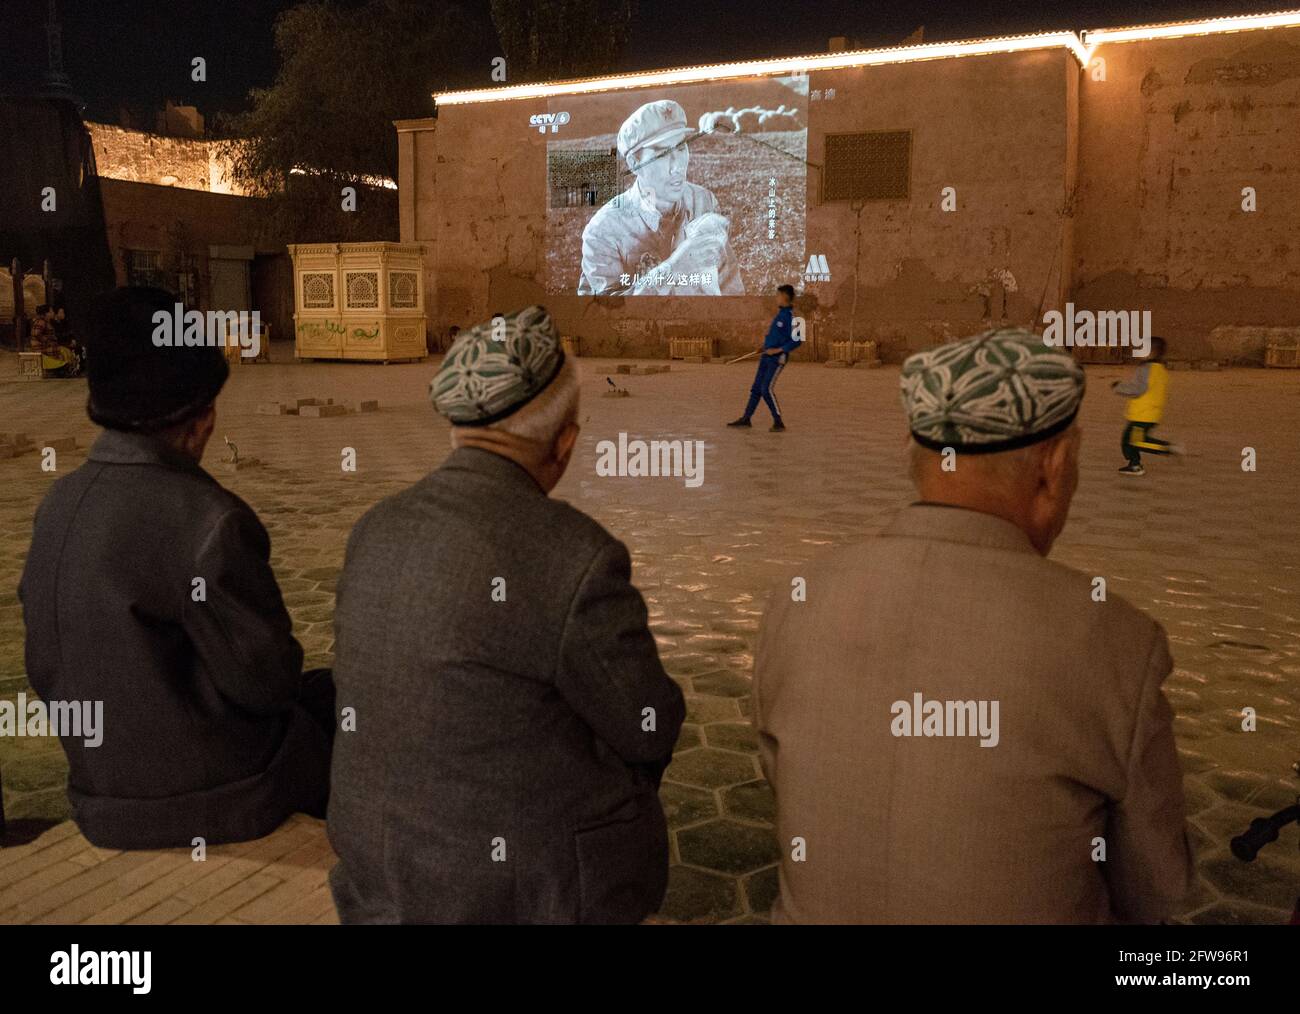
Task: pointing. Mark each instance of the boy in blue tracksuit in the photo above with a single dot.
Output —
(777, 346)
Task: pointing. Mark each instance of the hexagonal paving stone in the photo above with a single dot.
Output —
(687, 739)
(307, 598)
(703, 709)
(1234, 913)
(12, 685)
(710, 769)
(1197, 796)
(761, 890)
(723, 684)
(751, 801)
(683, 805)
(727, 846)
(696, 896)
(1249, 788)
(1202, 843)
(688, 663)
(732, 736)
(45, 770)
(1267, 881)
(1226, 820)
(313, 614)
(50, 806)
(1200, 895)
(714, 643)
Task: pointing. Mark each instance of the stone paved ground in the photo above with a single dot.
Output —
(1211, 551)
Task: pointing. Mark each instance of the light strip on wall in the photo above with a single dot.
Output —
(1240, 23)
(1081, 46)
(780, 65)
(371, 181)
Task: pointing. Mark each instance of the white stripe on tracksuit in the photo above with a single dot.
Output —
(771, 387)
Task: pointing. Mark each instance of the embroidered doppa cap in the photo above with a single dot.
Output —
(994, 392)
(496, 368)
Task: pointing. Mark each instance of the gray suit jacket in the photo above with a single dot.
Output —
(501, 769)
(203, 735)
(956, 606)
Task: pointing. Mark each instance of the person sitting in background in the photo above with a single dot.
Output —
(42, 331)
(148, 588)
(1044, 786)
(57, 359)
(62, 332)
(513, 718)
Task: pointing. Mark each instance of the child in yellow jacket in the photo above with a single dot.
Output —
(1146, 392)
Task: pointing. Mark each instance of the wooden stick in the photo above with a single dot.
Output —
(747, 355)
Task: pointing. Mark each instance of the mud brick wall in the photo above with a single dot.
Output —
(1115, 194)
(1168, 140)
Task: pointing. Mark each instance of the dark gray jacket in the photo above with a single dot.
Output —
(500, 770)
(201, 737)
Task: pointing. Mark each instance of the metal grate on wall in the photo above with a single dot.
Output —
(578, 178)
(872, 166)
(142, 268)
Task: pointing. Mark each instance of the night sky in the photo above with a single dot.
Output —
(137, 52)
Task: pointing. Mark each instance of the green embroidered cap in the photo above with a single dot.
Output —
(497, 367)
(994, 392)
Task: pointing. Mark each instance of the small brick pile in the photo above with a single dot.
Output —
(314, 408)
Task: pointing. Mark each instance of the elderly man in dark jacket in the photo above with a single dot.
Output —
(148, 588)
(512, 716)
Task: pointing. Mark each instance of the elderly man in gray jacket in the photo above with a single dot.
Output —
(148, 588)
(512, 718)
(956, 728)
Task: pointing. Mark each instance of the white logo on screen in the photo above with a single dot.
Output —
(543, 120)
(817, 270)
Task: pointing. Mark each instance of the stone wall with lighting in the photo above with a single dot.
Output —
(139, 157)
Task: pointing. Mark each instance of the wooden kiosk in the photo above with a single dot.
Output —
(358, 301)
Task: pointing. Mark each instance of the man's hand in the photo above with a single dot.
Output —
(773, 352)
(699, 253)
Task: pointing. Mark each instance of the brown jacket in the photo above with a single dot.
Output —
(955, 605)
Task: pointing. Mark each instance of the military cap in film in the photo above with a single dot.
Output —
(994, 392)
(662, 122)
(491, 372)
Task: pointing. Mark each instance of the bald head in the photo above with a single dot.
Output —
(1031, 486)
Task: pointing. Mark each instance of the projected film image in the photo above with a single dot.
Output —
(697, 190)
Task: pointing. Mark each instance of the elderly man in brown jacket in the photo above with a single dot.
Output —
(956, 729)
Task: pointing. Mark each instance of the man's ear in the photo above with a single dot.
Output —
(565, 441)
(1055, 462)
